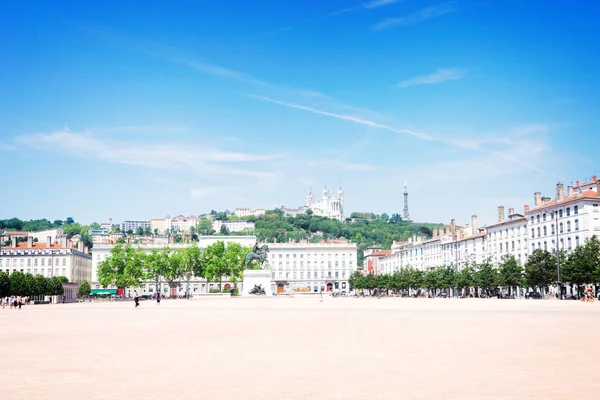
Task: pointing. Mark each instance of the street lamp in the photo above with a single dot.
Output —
(557, 251)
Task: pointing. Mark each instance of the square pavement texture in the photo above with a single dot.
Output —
(300, 348)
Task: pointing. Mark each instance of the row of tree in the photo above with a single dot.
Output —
(580, 267)
(20, 284)
(129, 266)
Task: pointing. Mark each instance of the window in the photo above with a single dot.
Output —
(532, 246)
(545, 246)
(337, 274)
(560, 212)
(29, 262)
(545, 231)
(568, 211)
(560, 227)
(538, 218)
(532, 220)
(552, 229)
(532, 232)
(500, 247)
(35, 262)
(552, 215)
(43, 259)
(569, 243)
(568, 226)
(562, 243)
(595, 207)
(544, 217)
(576, 210)
(576, 241)
(539, 231)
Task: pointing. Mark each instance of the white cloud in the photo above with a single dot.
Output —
(379, 3)
(343, 165)
(349, 118)
(441, 75)
(415, 18)
(202, 160)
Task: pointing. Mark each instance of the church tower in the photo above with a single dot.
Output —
(309, 198)
(341, 196)
(325, 193)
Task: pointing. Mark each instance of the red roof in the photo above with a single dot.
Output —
(588, 194)
(380, 253)
(15, 233)
(36, 246)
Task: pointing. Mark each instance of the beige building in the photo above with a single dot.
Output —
(48, 259)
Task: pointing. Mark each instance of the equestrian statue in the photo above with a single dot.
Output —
(259, 254)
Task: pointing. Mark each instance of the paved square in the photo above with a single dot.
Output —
(299, 348)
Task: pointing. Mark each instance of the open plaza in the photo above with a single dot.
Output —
(301, 348)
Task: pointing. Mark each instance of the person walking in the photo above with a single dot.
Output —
(4, 300)
(158, 298)
(136, 298)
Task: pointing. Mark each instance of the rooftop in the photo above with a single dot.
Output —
(588, 194)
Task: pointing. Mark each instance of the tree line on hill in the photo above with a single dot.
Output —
(580, 267)
(69, 227)
(380, 230)
(129, 266)
(28, 285)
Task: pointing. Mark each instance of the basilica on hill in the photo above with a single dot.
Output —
(327, 206)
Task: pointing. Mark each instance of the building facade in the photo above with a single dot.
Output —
(312, 267)
(233, 226)
(134, 225)
(47, 259)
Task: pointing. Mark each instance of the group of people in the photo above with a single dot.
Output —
(14, 302)
(136, 298)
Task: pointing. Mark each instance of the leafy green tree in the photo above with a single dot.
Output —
(69, 221)
(123, 268)
(84, 289)
(486, 276)
(510, 273)
(215, 263)
(17, 284)
(465, 278)
(55, 286)
(582, 266)
(540, 269)
(174, 268)
(29, 282)
(147, 231)
(234, 256)
(139, 231)
(4, 284)
(224, 231)
(156, 264)
(130, 232)
(41, 285)
(191, 263)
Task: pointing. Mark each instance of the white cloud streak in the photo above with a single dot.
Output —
(415, 18)
(7, 147)
(202, 160)
(378, 3)
(441, 75)
(349, 118)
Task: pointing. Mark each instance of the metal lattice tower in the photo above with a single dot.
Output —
(406, 216)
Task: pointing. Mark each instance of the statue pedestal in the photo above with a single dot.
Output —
(254, 277)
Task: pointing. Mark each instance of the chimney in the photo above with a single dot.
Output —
(63, 241)
(29, 242)
(598, 187)
(577, 184)
(435, 232)
(13, 241)
(501, 214)
(594, 178)
(80, 246)
(453, 227)
(474, 225)
(48, 241)
(447, 231)
(526, 208)
(560, 191)
(538, 199)
(511, 211)
(414, 238)
(569, 190)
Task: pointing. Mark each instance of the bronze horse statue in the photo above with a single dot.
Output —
(260, 255)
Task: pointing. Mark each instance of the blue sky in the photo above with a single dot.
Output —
(139, 109)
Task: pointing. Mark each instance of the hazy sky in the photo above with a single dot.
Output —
(139, 109)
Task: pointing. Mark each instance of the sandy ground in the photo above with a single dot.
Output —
(299, 348)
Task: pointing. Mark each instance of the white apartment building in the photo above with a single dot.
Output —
(313, 267)
(568, 220)
(233, 226)
(133, 225)
(508, 237)
(246, 212)
(177, 224)
(101, 252)
(48, 259)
